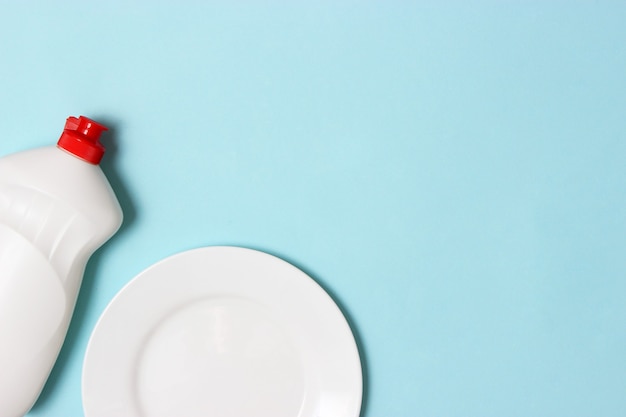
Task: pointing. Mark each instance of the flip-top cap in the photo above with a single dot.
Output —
(81, 137)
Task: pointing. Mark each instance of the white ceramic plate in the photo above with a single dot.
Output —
(222, 332)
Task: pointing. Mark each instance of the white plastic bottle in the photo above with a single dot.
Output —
(56, 209)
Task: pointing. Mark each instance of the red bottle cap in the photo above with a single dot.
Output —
(81, 137)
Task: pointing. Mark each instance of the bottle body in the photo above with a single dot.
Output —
(55, 211)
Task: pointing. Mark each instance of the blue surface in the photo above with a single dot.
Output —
(453, 174)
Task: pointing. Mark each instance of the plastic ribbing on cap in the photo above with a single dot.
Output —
(81, 137)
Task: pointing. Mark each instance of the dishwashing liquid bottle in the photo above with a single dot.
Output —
(56, 209)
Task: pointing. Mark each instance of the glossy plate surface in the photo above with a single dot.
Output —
(222, 331)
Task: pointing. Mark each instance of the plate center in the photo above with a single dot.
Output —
(224, 357)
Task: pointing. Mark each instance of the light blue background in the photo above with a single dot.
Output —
(453, 174)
